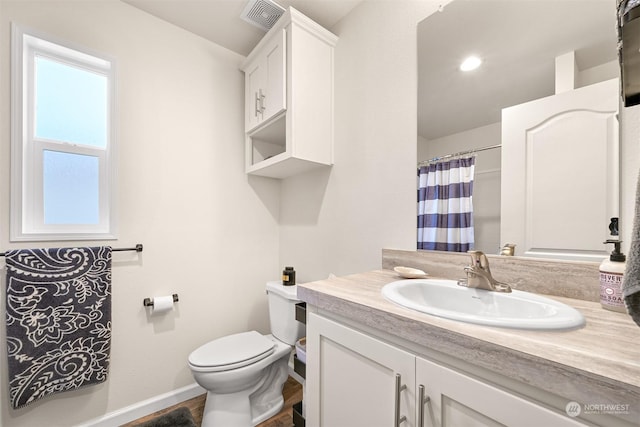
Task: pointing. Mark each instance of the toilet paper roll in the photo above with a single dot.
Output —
(162, 304)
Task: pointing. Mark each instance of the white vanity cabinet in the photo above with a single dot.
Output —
(289, 98)
(351, 381)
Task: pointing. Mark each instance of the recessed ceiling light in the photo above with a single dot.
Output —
(471, 63)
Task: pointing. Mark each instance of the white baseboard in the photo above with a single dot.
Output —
(146, 407)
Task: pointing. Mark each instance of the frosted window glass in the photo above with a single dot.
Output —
(71, 104)
(70, 188)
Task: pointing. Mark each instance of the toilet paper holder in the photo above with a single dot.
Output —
(148, 302)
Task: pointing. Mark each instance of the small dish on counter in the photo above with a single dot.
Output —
(410, 273)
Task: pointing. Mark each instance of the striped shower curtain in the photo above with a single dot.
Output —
(445, 205)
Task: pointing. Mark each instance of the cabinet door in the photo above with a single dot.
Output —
(351, 378)
(458, 400)
(265, 88)
(275, 64)
(255, 81)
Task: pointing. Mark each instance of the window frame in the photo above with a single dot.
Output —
(27, 189)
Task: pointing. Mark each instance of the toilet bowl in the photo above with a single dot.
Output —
(244, 373)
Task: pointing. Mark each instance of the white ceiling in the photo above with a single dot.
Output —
(518, 41)
(220, 22)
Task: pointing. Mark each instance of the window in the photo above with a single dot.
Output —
(62, 141)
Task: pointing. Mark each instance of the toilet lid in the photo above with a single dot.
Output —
(232, 351)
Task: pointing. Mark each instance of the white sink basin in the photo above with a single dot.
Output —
(518, 310)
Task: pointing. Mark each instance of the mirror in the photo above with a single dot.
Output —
(518, 42)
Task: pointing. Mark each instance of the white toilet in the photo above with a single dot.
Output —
(244, 373)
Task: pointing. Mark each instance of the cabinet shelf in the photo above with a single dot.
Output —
(268, 141)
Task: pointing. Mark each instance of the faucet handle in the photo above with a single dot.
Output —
(475, 258)
(479, 259)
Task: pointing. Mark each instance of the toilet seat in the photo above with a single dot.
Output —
(231, 352)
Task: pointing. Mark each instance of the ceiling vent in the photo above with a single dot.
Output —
(262, 13)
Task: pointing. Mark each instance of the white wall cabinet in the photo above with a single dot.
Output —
(351, 381)
(289, 98)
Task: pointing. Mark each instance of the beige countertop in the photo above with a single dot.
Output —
(599, 363)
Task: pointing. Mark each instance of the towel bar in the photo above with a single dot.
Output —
(138, 248)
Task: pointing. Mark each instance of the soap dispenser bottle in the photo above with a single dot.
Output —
(611, 272)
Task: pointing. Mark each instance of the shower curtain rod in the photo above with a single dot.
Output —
(138, 248)
(461, 153)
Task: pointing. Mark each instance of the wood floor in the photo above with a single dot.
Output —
(292, 393)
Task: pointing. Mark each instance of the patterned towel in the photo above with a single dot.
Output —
(58, 320)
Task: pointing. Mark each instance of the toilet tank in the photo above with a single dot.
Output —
(282, 312)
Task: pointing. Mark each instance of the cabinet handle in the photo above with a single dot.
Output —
(422, 399)
(399, 388)
(255, 105)
(262, 107)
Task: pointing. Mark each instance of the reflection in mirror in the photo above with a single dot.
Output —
(530, 50)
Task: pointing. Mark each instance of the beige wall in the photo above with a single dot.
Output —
(337, 221)
(210, 234)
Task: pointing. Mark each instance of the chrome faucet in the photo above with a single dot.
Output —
(479, 274)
